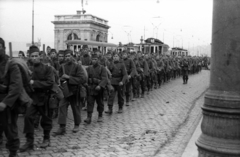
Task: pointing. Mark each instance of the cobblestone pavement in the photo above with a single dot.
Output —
(158, 125)
(176, 145)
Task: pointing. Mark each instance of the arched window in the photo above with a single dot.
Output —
(98, 38)
(72, 36)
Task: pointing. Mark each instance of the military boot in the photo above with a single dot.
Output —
(29, 145)
(1, 140)
(120, 110)
(61, 131)
(89, 118)
(100, 117)
(13, 154)
(75, 129)
(109, 111)
(45, 143)
(46, 139)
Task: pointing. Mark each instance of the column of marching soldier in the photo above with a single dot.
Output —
(89, 76)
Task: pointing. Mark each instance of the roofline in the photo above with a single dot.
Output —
(80, 15)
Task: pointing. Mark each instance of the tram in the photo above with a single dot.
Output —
(75, 45)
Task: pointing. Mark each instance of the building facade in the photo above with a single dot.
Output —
(176, 51)
(85, 27)
(152, 45)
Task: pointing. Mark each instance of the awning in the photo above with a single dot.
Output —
(94, 43)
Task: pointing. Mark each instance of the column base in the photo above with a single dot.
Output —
(216, 147)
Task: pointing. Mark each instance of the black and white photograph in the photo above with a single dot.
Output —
(119, 78)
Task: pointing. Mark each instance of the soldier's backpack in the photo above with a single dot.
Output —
(24, 101)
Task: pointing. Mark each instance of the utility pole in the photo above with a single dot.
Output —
(173, 41)
(83, 11)
(182, 42)
(33, 23)
(163, 35)
(144, 33)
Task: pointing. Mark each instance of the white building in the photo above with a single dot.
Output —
(84, 27)
(152, 45)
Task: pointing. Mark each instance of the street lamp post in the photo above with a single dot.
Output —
(181, 39)
(33, 23)
(129, 36)
(128, 29)
(111, 34)
(155, 27)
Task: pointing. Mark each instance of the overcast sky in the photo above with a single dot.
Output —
(187, 22)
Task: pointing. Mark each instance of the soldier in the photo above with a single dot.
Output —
(8, 115)
(131, 71)
(42, 81)
(74, 76)
(167, 69)
(21, 54)
(109, 87)
(2, 47)
(143, 70)
(118, 78)
(85, 60)
(104, 62)
(48, 50)
(149, 81)
(185, 68)
(97, 80)
(85, 56)
(160, 70)
(54, 60)
(154, 75)
(61, 57)
(137, 78)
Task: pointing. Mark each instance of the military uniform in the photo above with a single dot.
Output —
(137, 79)
(149, 78)
(43, 78)
(131, 71)
(104, 62)
(9, 116)
(76, 78)
(160, 71)
(97, 76)
(86, 59)
(185, 67)
(118, 74)
(143, 70)
(154, 75)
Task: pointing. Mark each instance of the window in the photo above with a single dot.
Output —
(72, 36)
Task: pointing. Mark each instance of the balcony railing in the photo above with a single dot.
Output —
(80, 18)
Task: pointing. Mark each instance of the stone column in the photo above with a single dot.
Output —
(221, 110)
(56, 39)
(61, 43)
